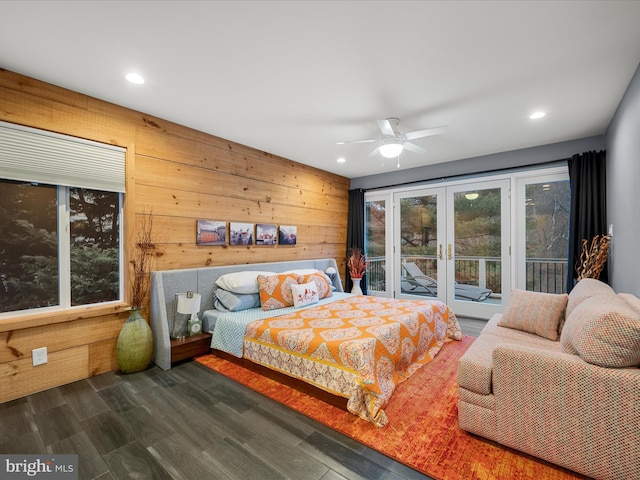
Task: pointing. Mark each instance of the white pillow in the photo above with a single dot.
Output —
(304, 294)
(241, 282)
(303, 271)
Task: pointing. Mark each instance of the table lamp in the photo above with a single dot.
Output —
(187, 304)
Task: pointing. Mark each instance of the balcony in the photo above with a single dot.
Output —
(542, 274)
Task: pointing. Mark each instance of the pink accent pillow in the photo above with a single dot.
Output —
(535, 312)
(304, 294)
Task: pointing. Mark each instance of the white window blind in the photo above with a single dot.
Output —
(32, 155)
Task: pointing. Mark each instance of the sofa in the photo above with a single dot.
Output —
(557, 377)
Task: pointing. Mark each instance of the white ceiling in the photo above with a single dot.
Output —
(293, 78)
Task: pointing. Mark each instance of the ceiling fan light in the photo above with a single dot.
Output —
(391, 148)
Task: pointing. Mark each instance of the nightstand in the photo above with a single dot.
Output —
(190, 347)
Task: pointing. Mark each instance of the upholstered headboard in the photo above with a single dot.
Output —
(166, 283)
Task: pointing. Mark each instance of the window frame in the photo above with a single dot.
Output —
(119, 183)
(64, 262)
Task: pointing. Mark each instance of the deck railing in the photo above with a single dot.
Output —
(542, 274)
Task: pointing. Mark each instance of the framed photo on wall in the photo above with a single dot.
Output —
(211, 232)
(287, 235)
(241, 233)
(266, 234)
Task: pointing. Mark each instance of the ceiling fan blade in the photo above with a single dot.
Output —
(356, 141)
(414, 148)
(386, 128)
(426, 133)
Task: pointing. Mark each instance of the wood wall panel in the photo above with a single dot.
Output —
(17, 344)
(19, 378)
(180, 175)
(182, 203)
(102, 357)
(163, 173)
(192, 256)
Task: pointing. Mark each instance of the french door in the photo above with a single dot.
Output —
(478, 248)
(449, 243)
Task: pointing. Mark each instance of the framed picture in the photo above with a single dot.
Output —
(241, 233)
(266, 234)
(211, 232)
(287, 235)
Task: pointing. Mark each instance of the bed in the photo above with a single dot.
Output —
(352, 346)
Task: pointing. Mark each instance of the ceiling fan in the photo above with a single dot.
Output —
(393, 141)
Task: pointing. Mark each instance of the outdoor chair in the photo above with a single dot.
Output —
(415, 281)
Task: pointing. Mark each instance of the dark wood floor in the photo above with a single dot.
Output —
(186, 423)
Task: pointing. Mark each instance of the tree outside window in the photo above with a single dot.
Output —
(31, 250)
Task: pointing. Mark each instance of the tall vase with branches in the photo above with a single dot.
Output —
(357, 264)
(593, 257)
(134, 349)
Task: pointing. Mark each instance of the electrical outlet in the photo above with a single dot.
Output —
(39, 356)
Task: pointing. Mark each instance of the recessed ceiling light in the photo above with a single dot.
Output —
(134, 78)
(341, 160)
(536, 115)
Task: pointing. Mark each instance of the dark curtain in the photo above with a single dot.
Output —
(587, 177)
(355, 231)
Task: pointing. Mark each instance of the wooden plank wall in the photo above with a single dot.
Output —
(180, 175)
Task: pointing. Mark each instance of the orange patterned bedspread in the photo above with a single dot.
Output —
(360, 347)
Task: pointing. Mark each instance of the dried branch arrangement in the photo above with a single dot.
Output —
(142, 261)
(357, 263)
(593, 257)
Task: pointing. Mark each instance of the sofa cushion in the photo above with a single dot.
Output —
(535, 312)
(604, 331)
(476, 364)
(475, 367)
(631, 300)
(587, 288)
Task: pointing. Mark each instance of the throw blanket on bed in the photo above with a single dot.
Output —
(229, 330)
(359, 348)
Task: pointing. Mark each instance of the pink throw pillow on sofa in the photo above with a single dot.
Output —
(535, 312)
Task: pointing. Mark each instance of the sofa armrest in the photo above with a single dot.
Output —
(556, 406)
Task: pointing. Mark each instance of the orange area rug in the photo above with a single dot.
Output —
(423, 430)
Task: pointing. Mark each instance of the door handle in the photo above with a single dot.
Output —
(440, 254)
(449, 251)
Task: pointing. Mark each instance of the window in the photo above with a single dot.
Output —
(61, 242)
(32, 251)
(376, 244)
(547, 205)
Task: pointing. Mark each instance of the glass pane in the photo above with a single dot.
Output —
(375, 244)
(95, 240)
(547, 234)
(478, 245)
(418, 245)
(28, 246)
